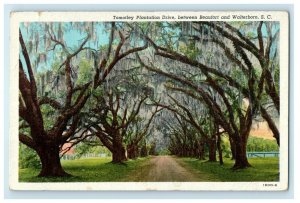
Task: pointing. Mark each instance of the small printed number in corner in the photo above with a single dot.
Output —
(270, 184)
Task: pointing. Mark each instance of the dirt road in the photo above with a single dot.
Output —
(165, 169)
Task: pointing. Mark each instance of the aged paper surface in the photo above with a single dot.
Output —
(280, 17)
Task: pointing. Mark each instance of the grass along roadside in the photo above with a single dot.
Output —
(102, 170)
(263, 169)
(86, 170)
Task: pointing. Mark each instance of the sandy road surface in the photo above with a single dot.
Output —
(164, 169)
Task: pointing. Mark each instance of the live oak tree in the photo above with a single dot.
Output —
(47, 142)
(234, 51)
(48, 40)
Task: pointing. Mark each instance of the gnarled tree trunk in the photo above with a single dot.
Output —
(118, 153)
(51, 166)
(241, 160)
(212, 150)
(232, 148)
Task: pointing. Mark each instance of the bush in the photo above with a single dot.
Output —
(226, 147)
(28, 158)
(256, 144)
(152, 150)
(84, 148)
(164, 152)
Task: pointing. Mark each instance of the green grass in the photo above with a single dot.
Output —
(86, 170)
(263, 169)
(102, 170)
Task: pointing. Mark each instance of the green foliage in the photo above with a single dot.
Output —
(49, 115)
(85, 71)
(56, 69)
(152, 150)
(190, 50)
(28, 158)
(85, 148)
(164, 152)
(225, 144)
(236, 72)
(144, 151)
(256, 144)
(276, 77)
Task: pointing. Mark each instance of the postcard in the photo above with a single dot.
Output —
(149, 101)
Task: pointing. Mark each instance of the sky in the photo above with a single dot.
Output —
(72, 36)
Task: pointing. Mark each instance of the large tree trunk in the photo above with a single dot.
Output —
(50, 160)
(118, 153)
(232, 148)
(201, 151)
(212, 150)
(241, 160)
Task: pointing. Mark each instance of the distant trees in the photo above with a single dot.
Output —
(144, 150)
(28, 157)
(256, 144)
(185, 140)
(89, 147)
(152, 150)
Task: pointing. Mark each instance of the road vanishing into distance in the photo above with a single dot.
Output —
(166, 169)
